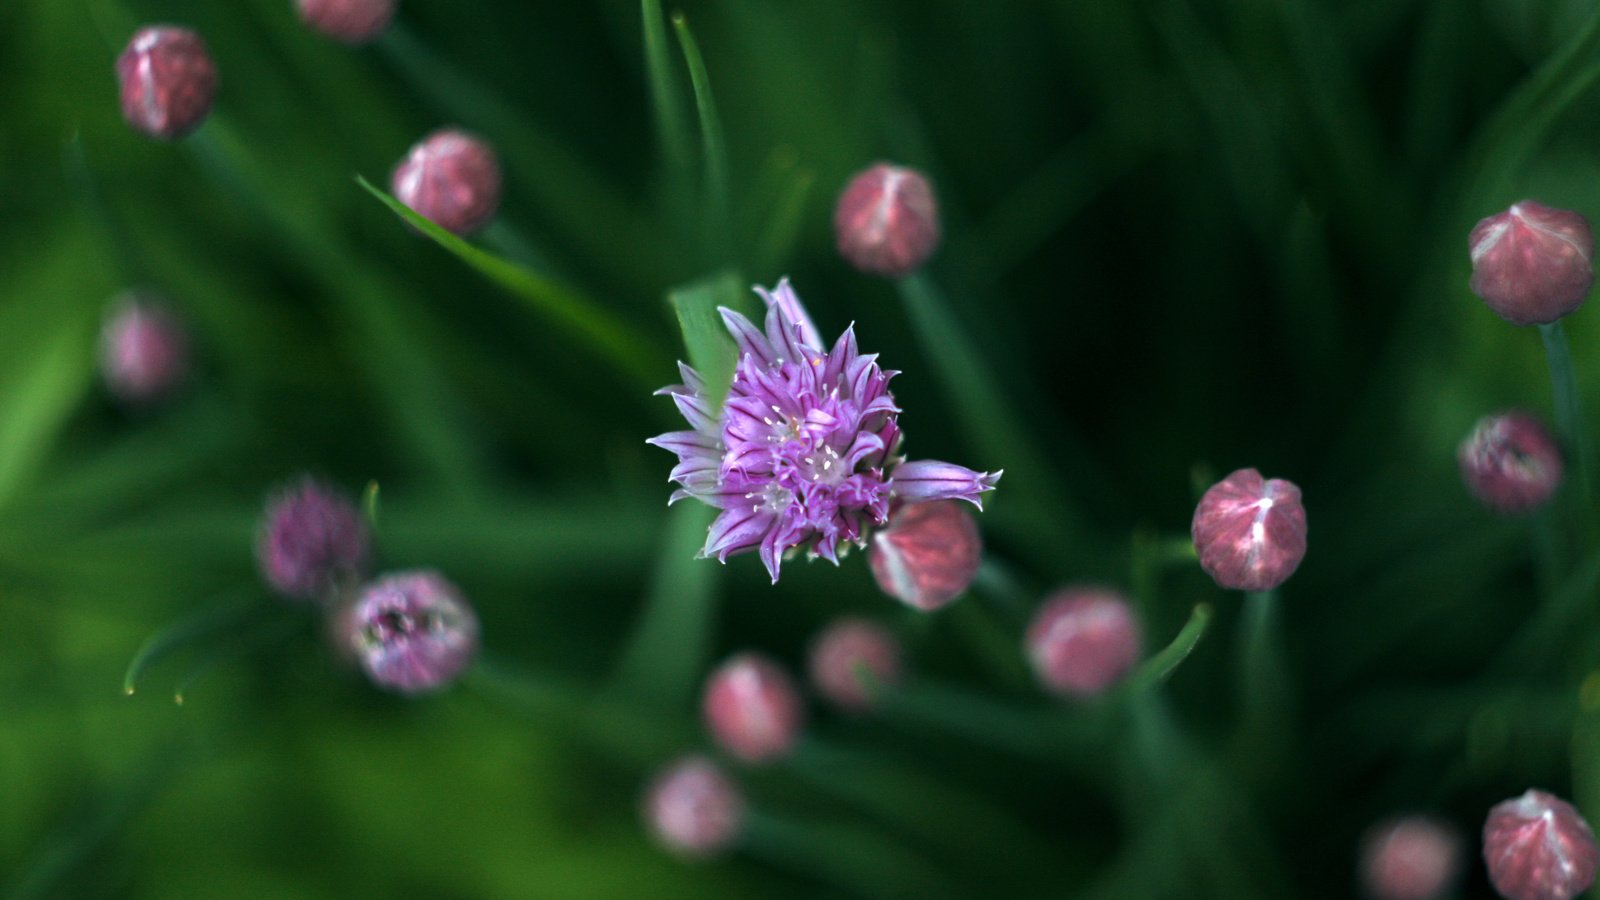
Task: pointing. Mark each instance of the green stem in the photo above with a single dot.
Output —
(1569, 410)
(1263, 675)
(1158, 668)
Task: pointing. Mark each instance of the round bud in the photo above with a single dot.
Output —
(1532, 263)
(1510, 462)
(852, 660)
(1082, 641)
(1250, 533)
(928, 554)
(1413, 858)
(312, 541)
(412, 632)
(144, 350)
(694, 809)
(451, 178)
(752, 709)
(350, 21)
(1538, 847)
(168, 81)
(886, 222)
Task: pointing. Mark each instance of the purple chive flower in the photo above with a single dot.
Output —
(804, 452)
(144, 350)
(1082, 641)
(928, 555)
(852, 660)
(752, 708)
(350, 21)
(1531, 264)
(1538, 847)
(1510, 462)
(1413, 858)
(412, 632)
(452, 179)
(886, 222)
(694, 809)
(1250, 533)
(167, 81)
(312, 541)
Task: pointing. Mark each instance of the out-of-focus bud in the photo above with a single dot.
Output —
(1414, 858)
(752, 708)
(886, 222)
(1532, 263)
(1510, 462)
(694, 809)
(1082, 641)
(1538, 847)
(1250, 533)
(144, 350)
(312, 541)
(928, 554)
(350, 21)
(412, 632)
(451, 178)
(168, 81)
(852, 660)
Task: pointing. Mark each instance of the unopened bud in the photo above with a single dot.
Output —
(1250, 533)
(1413, 858)
(452, 179)
(1532, 263)
(412, 632)
(168, 81)
(852, 660)
(694, 809)
(886, 222)
(312, 541)
(928, 554)
(1538, 847)
(1082, 641)
(1510, 462)
(752, 708)
(144, 350)
(350, 21)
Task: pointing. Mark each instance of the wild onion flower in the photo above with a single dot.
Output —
(451, 178)
(1082, 641)
(1531, 264)
(412, 632)
(1538, 847)
(1411, 858)
(312, 541)
(144, 349)
(694, 809)
(350, 21)
(886, 221)
(852, 660)
(166, 80)
(928, 555)
(1250, 532)
(805, 450)
(752, 708)
(1510, 462)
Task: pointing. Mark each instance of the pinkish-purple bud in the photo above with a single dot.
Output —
(928, 554)
(1538, 847)
(886, 222)
(1532, 263)
(1414, 858)
(852, 660)
(694, 809)
(752, 709)
(451, 178)
(168, 81)
(1510, 462)
(1250, 533)
(1082, 641)
(144, 350)
(412, 632)
(312, 542)
(350, 21)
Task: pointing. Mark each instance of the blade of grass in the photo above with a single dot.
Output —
(718, 209)
(37, 397)
(863, 862)
(664, 657)
(666, 101)
(711, 351)
(775, 243)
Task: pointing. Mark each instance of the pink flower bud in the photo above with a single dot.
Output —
(144, 351)
(694, 809)
(351, 21)
(1538, 847)
(886, 222)
(312, 541)
(1414, 858)
(1250, 534)
(451, 178)
(1510, 462)
(1531, 263)
(168, 81)
(752, 708)
(851, 660)
(412, 632)
(928, 554)
(1082, 641)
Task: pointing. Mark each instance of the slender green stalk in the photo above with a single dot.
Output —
(1160, 667)
(718, 210)
(672, 638)
(672, 125)
(1264, 693)
(203, 622)
(1569, 409)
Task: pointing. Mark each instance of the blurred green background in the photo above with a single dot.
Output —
(1182, 237)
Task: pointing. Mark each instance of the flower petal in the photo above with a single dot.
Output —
(737, 530)
(924, 480)
(687, 443)
(748, 337)
(788, 303)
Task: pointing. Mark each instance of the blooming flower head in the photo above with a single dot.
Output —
(412, 632)
(311, 540)
(804, 452)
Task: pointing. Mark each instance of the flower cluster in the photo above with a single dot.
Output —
(804, 450)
